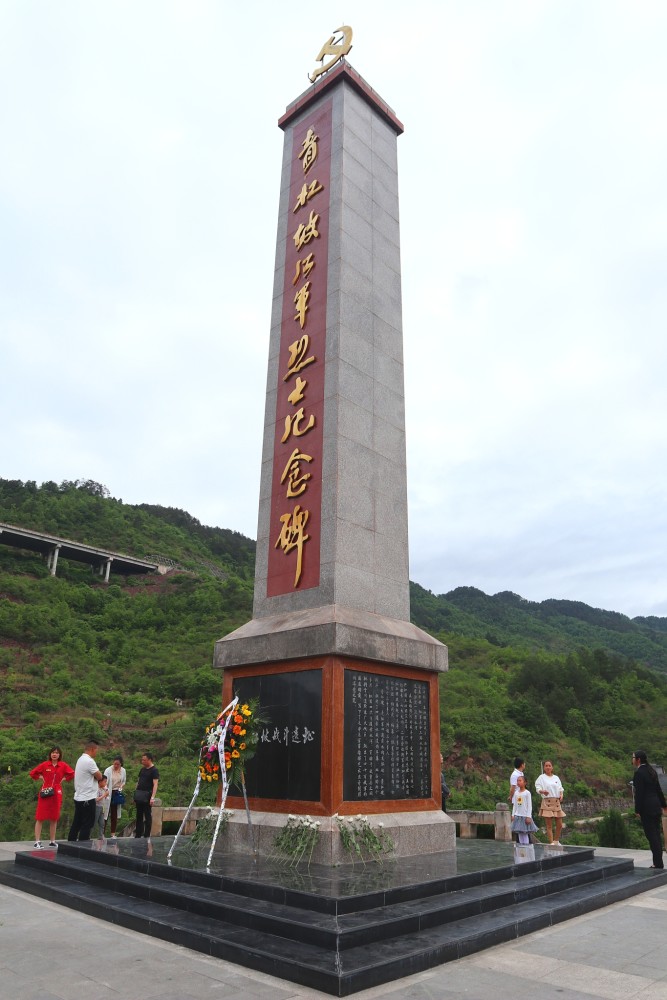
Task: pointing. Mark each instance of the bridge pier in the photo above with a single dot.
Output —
(52, 560)
(105, 569)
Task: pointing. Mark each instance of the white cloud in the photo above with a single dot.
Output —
(138, 210)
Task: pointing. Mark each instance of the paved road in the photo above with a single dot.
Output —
(48, 952)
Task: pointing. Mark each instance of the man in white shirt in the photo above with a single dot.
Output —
(86, 776)
(519, 765)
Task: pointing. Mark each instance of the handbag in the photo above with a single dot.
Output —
(142, 795)
(46, 793)
(117, 797)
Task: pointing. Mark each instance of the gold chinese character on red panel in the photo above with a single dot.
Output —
(297, 356)
(293, 536)
(294, 424)
(297, 480)
(307, 192)
(303, 267)
(308, 153)
(306, 233)
(301, 303)
(298, 392)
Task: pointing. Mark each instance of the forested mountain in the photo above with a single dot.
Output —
(130, 661)
(560, 626)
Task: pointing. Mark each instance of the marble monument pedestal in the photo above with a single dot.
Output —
(413, 834)
(352, 729)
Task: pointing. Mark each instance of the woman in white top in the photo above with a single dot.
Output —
(550, 789)
(116, 776)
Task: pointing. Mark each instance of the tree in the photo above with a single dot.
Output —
(576, 725)
(613, 831)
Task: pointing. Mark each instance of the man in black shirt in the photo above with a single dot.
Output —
(144, 795)
(649, 803)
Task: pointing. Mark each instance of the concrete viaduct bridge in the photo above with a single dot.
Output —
(52, 548)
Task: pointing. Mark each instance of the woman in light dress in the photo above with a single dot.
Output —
(116, 777)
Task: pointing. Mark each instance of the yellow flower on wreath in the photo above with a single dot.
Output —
(235, 753)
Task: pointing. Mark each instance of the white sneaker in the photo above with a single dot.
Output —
(38, 845)
(555, 843)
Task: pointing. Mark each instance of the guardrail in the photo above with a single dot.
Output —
(170, 814)
(469, 819)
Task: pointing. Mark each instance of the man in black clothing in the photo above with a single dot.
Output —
(144, 795)
(649, 803)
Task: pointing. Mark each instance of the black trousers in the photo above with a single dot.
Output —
(652, 826)
(84, 817)
(144, 819)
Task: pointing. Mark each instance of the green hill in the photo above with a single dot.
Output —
(559, 626)
(131, 661)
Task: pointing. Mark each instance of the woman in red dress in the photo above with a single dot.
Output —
(53, 771)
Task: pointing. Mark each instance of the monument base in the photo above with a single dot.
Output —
(333, 630)
(413, 834)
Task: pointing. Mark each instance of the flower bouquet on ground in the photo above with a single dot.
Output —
(360, 839)
(297, 839)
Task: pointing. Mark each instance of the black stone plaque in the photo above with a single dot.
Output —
(287, 762)
(387, 742)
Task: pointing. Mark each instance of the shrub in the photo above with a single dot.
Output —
(613, 830)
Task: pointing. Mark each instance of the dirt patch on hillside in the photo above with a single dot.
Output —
(155, 584)
(23, 647)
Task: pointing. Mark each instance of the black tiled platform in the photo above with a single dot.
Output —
(340, 929)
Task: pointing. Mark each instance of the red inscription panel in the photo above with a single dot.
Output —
(296, 496)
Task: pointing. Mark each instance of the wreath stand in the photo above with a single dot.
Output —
(215, 742)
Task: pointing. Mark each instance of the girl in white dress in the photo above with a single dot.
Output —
(522, 812)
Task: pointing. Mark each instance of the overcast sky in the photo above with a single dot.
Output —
(139, 182)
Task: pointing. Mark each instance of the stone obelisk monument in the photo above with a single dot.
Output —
(349, 684)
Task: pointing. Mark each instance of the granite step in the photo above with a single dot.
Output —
(327, 964)
(338, 890)
(347, 930)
